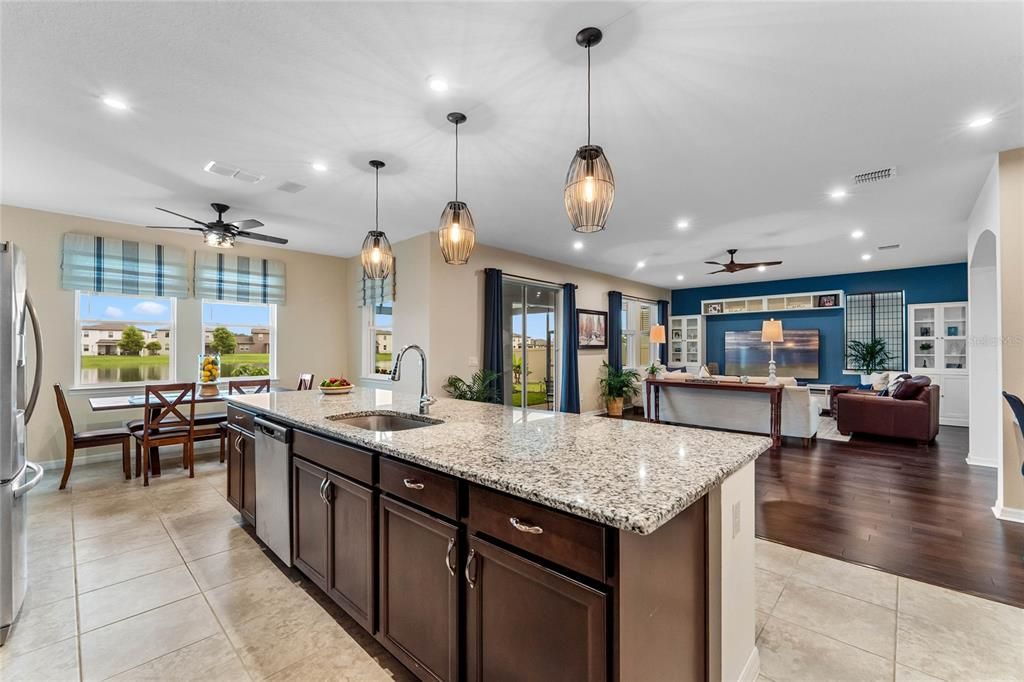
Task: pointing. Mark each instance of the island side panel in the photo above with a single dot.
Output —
(660, 619)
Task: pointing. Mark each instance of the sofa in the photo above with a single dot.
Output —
(914, 417)
(739, 411)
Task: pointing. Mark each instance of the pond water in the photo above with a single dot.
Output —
(114, 375)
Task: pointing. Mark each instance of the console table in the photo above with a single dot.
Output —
(774, 395)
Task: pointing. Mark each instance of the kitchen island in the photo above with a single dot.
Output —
(484, 541)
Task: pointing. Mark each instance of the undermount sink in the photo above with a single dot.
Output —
(385, 421)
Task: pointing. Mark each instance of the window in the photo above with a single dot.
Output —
(243, 334)
(118, 339)
(877, 315)
(378, 320)
(637, 319)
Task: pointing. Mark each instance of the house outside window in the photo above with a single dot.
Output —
(243, 334)
(379, 323)
(116, 339)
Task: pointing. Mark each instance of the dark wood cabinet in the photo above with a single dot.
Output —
(248, 456)
(234, 461)
(351, 531)
(527, 622)
(419, 590)
(310, 521)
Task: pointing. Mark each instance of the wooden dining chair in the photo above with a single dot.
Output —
(166, 424)
(89, 439)
(305, 382)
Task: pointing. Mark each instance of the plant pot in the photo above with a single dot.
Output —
(652, 377)
(614, 406)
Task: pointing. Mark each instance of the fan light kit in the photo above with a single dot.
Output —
(220, 234)
(589, 183)
(376, 255)
(456, 231)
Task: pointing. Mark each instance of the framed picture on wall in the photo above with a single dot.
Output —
(593, 326)
(827, 301)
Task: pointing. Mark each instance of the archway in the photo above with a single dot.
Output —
(986, 374)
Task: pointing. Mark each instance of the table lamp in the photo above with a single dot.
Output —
(658, 336)
(771, 332)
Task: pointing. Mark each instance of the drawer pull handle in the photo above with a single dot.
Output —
(239, 417)
(412, 484)
(448, 556)
(525, 528)
(469, 562)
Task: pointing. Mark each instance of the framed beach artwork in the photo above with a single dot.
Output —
(593, 326)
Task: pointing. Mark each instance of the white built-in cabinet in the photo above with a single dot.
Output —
(938, 349)
(686, 342)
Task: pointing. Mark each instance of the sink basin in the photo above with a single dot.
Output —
(385, 421)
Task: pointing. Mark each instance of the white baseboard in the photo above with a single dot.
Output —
(593, 413)
(752, 668)
(115, 456)
(975, 461)
(1008, 513)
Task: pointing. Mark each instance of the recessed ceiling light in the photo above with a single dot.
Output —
(640, 263)
(838, 193)
(865, 256)
(115, 103)
(437, 84)
(319, 166)
(857, 234)
(577, 245)
(683, 224)
(980, 122)
(761, 268)
(680, 278)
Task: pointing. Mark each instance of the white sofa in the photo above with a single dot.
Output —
(738, 410)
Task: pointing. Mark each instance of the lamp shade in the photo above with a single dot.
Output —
(658, 333)
(589, 189)
(456, 233)
(376, 255)
(771, 331)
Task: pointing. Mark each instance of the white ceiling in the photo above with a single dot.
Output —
(738, 116)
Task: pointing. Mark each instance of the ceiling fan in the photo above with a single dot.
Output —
(733, 266)
(219, 233)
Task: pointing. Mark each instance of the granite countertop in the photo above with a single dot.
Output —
(630, 475)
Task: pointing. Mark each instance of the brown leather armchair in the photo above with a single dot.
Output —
(917, 419)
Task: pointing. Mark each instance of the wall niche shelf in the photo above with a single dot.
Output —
(812, 300)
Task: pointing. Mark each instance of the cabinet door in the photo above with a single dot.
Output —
(248, 447)
(351, 530)
(953, 403)
(234, 457)
(527, 622)
(310, 521)
(419, 620)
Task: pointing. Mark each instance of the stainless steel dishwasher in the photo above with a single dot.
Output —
(273, 488)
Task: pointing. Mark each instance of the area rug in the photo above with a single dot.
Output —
(827, 430)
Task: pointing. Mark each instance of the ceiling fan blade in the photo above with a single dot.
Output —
(261, 237)
(175, 227)
(249, 224)
(768, 262)
(715, 272)
(711, 262)
(197, 222)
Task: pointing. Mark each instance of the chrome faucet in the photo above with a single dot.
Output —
(396, 375)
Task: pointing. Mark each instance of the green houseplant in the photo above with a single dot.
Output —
(868, 357)
(617, 384)
(482, 387)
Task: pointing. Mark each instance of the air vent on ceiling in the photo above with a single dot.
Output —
(874, 176)
(888, 247)
(291, 187)
(246, 176)
(232, 172)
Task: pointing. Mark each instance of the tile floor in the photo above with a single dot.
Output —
(163, 583)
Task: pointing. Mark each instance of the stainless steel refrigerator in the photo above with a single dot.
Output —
(17, 475)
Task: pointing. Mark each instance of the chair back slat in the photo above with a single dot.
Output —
(243, 386)
(65, 413)
(305, 382)
(156, 397)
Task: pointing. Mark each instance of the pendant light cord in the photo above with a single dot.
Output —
(376, 198)
(456, 162)
(588, 95)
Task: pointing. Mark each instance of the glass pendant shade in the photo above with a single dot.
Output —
(457, 233)
(589, 189)
(376, 255)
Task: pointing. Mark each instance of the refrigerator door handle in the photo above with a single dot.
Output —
(20, 490)
(37, 380)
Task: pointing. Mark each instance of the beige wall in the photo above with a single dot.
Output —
(311, 323)
(1011, 256)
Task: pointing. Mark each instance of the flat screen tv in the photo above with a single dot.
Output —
(797, 356)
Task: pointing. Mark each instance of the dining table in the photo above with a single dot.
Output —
(128, 402)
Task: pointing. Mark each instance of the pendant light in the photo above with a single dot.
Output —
(456, 232)
(589, 184)
(376, 254)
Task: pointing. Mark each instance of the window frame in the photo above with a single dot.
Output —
(631, 331)
(900, 359)
(369, 341)
(172, 369)
(273, 331)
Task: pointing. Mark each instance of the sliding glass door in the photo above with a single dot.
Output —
(530, 336)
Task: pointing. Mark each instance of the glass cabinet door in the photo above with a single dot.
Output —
(954, 337)
(925, 338)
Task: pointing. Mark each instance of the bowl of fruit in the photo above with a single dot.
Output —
(335, 386)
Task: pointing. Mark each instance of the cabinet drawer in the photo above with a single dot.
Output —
(436, 492)
(343, 459)
(240, 418)
(566, 540)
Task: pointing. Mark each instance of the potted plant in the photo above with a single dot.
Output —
(616, 385)
(868, 357)
(482, 387)
(652, 370)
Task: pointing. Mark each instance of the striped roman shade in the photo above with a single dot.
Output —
(240, 279)
(103, 264)
(373, 291)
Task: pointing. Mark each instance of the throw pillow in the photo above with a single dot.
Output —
(879, 380)
(704, 373)
(912, 388)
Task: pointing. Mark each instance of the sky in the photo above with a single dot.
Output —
(109, 307)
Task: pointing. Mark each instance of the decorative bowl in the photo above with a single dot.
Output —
(336, 390)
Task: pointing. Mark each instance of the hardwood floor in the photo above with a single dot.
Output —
(921, 513)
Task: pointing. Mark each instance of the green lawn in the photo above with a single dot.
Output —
(116, 361)
(536, 394)
(246, 358)
(383, 357)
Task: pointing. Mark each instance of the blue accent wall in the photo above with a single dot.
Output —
(931, 284)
